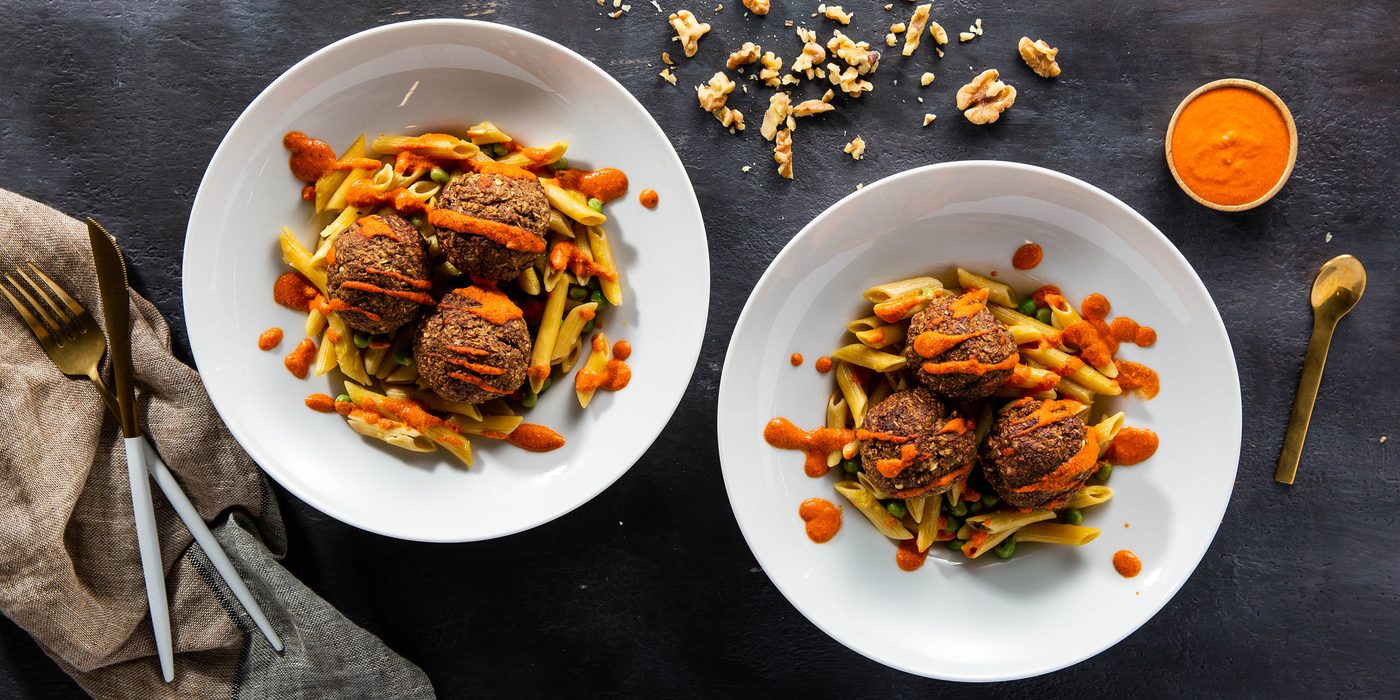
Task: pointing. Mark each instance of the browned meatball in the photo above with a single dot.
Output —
(1027, 442)
(377, 274)
(940, 443)
(989, 344)
(504, 199)
(467, 352)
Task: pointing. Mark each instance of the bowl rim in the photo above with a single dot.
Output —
(1277, 103)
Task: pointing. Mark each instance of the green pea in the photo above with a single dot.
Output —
(977, 507)
(416, 220)
(1027, 307)
(546, 383)
(561, 164)
(342, 398)
(990, 500)
(589, 326)
(361, 339)
(954, 523)
(1043, 314)
(598, 298)
(594, 283)
(404, 356)
(499, 149)
(1104, 472)
(1006, 548)
(956, 544)
(960, 509)
(1073, 516)
(897, 509)
(578, 293)
(595, 204)
(850, 466)
(530, 398)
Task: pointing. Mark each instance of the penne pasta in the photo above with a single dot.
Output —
(603, 257)
(1062, 316)
(1011, 317)
(851, 388)
(585, 246)
(931, 523)
(569, 204)
(906, 305)
(835, 418)
(398, 436)
(325, 357)
(1090, 496)
(997, 293)
(1026, 334)
(347, 355)
(1057, 533)
(881, 392)
(315, 322)
(890, 290)
(597, 363)
(533, 157)
(327, 185)
(435, 402)
(1076, 391)
(973, 551)
(865, 324)
(866, 356)
(884, 336)
(550, 321)
(570, 329)
(491, 426)
(558, 224)
(485, 133)
(1087, 376)
(1107, 428)
(296, 255)
(869, 506)
(1001, 520)
(1036, 377)
(406, 374)
(915, 506)
(452, 442)
(529, 282)
(431, 145)
(403, 340)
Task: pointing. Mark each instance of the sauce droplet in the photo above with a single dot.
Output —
(270, 339)
(1027, 257)
(1126, 563)
(649, 198)
(822, 517)
(320, 402)
(796, 359)
(823, 364)
(908, 556)
(535, 438)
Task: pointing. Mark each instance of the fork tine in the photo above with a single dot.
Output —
(73, 305)
(39, 331)
(53, 323)
(73, 324)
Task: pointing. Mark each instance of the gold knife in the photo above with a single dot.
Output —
(116, 309)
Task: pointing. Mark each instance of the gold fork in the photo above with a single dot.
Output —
(75, 343)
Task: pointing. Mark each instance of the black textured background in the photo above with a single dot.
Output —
(113, 109)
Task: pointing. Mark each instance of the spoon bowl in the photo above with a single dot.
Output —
(1338, 286)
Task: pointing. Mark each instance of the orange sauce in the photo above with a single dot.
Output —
(487, 167)
(312, 159)
(494, 306)
(512, 237)
(320, 402)
(1027, 257)
(1126, 563)
(614, 377)
(796, 359)
(308, 193)
(299, 361)
(270, 339)
(1039, 295)
(363, 195)
(294, 291)
(1095, 307)
(606, 184)
(782, 434)
(1131, 445)
(1048, 412)
(566, 254)
(908, 455)
(908, 556)
(1135, 377)
(622, 350)
(823, 364)
(649, 198)
(1230, 145)
(969, 303)
(933, 343)
(970, 366)
(823, 519)
(895, 309)
(1092, 347)
(1072, 471)
(535, 438)
(418, 297)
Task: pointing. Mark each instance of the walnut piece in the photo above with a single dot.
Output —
(666, 73)
(806, 35)
(810, 107)
(849, 81)
(782, 153)
(716, 93)
(688, 30)
(779, 112)
(856, 148)
(731, 119)
(856, 55)
(939, 36)
(748, 53)
(891, 39)
(771, 65)
(758, 7)
(916, 28)
(1039, 56)
(897, 28)
(926, 78)
(812, 55)
(666, 58)
(835, 12)
(966, 36)
(983, 99)
(829, 96)
(928, 119)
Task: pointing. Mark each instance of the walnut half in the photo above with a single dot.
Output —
(782, 153)
(1039, 56)
(758, 7)
(688, 30)
(748, 53)
(983, 99)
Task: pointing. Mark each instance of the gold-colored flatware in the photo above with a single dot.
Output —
(1335, 291)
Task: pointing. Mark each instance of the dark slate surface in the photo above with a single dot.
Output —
(114, 108)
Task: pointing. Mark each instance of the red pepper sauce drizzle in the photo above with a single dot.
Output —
(535, 438)
(312, 159)
(908, 557)
(567, 254)
(817, 444)
(1131, 445)
(605, 184)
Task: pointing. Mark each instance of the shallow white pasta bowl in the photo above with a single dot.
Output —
(1049, 606)
(407, 79)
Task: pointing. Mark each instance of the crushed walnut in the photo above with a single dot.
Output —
(713, 97)
(806, 35)
(688, 30)
(769, 73)
(856, 148)
(928, 119)
(666, 58)
(835, 12)
(1039, 56)
(849, 81)
(976, 28)
(891, 39)
(829, 96)
(758, 7)
(983, 99)
(748, 53)
(670, 77)
(897, 28)
(782, 153)
(940, 37)
(926, 78)
(779, 113)
(812, 56)
(810, 107)
(966, 36)
(916, 28)
(856, 54)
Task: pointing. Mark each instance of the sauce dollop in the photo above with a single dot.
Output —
(649, 198)
(1139, 378)
(270, 339)
(299, 361)
(1126, 563)
(908, 556)
(1230, 145)
(321, 402)
(622, 350)
(606, 184)
(823, 364)
(796, 359)
(1027, 257)
(310, 159)
(822, 517)
(782, 434)
(294, 291)
(535, 438)
(1131, 445)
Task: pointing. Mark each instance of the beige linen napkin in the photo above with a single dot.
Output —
(70, 573)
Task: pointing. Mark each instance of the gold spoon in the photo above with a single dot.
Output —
(1337, 288)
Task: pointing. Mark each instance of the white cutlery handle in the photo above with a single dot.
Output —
(166, 481)
(149, 546)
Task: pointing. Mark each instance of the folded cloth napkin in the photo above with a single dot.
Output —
(70, 573)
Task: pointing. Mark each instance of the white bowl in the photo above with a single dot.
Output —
(406, 79)
(1048, 606)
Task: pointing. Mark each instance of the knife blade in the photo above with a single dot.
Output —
(116, 310)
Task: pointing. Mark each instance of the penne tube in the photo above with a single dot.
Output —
(931, 523)
(296, 255)
(534, 157)
(398, 436)
(1090, 496)
(550, 321)
(881, 391)
(1022, 335)
(315, 322)
(430, 145)
(997, 293)
(906, 305)
(864, 501)
(1011, 317)
(452, 442)
(328, 184)
(338, 199)
(529, 281)
(553, 277)
(865, 483)
(497, 427)
(406, 374)
(883, 336)
(347, 355)
(1056, 533)
(1087, 376)
(437, 434)
(1107, 428)
(571, 359)
(915, 506)
(373, 358)
(866, 356)
(341, 222)
(865, 324)
(987, 545)
(1076, 391)
(1036, 377)
(403, 339)
(569, 205)
(603, 257)
(558, 224)
(585, 246)
(856, 400)
(325, 357)
(435, 402)
(424, 190)
(890, 290)
(1001, 520)
(485, 133)
(570, 329)
(1062, 316)
(835, 418)
(597, 363)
